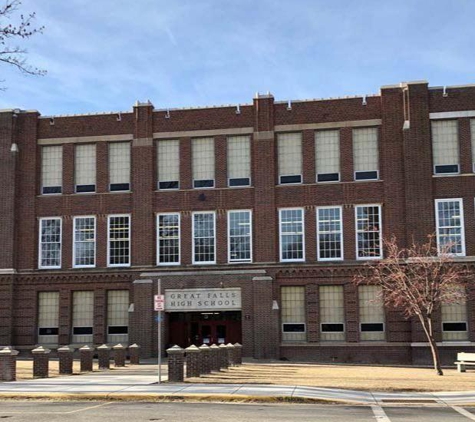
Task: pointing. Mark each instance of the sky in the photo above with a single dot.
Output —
(103, 55)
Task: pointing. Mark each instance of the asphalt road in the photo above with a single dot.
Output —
(15, 411)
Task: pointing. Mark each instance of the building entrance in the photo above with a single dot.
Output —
(187, 328)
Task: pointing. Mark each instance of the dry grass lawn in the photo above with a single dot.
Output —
(24, 369)
(374, 378)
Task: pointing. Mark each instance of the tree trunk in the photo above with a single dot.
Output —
(427, 326)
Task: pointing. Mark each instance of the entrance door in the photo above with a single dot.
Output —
(212, 332)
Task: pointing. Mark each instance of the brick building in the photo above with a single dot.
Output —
(254, 218)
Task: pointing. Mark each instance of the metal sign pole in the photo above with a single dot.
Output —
(159, 337)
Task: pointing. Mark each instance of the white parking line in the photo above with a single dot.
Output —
(379, 413)
(464, 412)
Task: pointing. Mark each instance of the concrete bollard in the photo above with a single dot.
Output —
(214, 357)
(230, 353)
(86, 356)
(193, 361)
(205, 359)
(176, 363)
(8, 364)
(134, 352)
(238, 354)
(65, 355)
(223, 356)
(40, 362)
(103, 354)
(119, 355)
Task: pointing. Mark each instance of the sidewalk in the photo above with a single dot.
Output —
(140, 381)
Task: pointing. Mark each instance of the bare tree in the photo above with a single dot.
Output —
(417, 281)
(11, 33)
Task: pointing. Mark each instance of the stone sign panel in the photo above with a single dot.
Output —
(189, 300)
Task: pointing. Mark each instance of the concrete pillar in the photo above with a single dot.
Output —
(205, 359)
(237, 354)
(134, 352)
(223, 356)
(214, 357)
(176, 363)
(103, 354)
(8, 364)
(65, 355)
(86, 356)
(40, 362)
(193, 361)
(230, 349)
(119, 355)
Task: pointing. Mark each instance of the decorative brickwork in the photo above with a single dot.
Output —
(176, 364)
(134, 354)
(205, 358)
(215, 354)
(193, 361)
(119, 355)
(103, 356)
(8, 364)
(223, 358)
(65, 355)
(40, 362)
(86, 354)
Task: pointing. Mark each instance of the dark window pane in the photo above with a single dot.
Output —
(328, 177)
(293, 328)
(85, 188)
(82, 330)
(203, 183)
(290, 179)
(114, 187)
(453, 168)
(372, 327)
(454, 326)
(244, 181)
(366, 175)
(118, 329)
(168, 185)
(50, 331)
(52, 189)
(332, 328)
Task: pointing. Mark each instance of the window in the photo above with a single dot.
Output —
(51, 169)
(290, 157)
(117, 316)
(239, 161)
(472, 131)
(85, 169)
(293, 314)
(239, 236)
(83, 317)
(292, 243)
(371, 313)
(368, 232)
(119, 166)
(50, 243)
(119, 241)
(332, 313)
(445, 148)
(450, 229)
(84, 248)
(204, 238)
(454, 320)
(365, 153)
(168, 164)
(329, 234)
(203, 162)
(48, 317)
(168, 248)
(327, 155)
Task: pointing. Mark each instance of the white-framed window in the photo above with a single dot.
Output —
(48, 317)
(450, 226)
(203, 162)
(472, 133)
(445, 146)
(371, 313)
(368, 232)
(239, 160)
(327, 155)
(168, 239)
(168, 163)
(117, 316)
(85, 168)
(294, 327)
(118, 240)
(455, 320)
(119, 166)
(83, 317)
(51, 169)
(329, 233)
(365, 153)
(204, 237)
(84, 245)
(240, 236)
(292, 234)
(290, 157)
(50, 242)
(332, 313)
